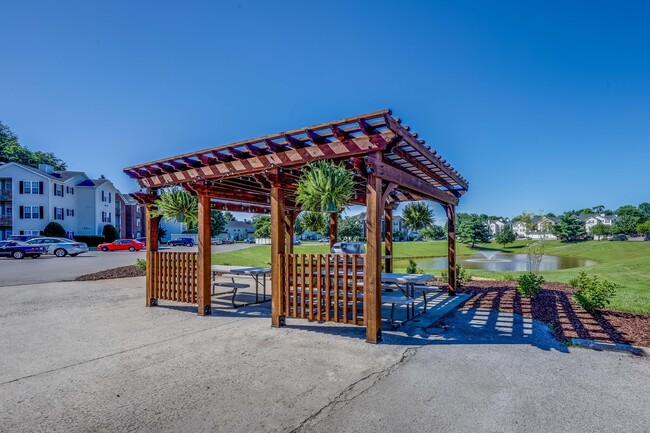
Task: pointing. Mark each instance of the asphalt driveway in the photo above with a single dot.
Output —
(88, 356)
(49, 268)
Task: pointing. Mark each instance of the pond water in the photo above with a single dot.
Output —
(496, 261)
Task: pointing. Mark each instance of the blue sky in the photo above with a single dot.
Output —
(540, 105)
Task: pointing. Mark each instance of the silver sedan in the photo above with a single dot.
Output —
(60, 247)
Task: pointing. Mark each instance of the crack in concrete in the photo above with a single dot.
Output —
(355, 390)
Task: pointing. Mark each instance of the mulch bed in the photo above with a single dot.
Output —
(556, 307)
(109, 274)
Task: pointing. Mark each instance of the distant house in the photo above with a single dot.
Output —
(592, 220)
(31, 197)
(238, 230)
(398, 224)
(496, 226)
(542, 227)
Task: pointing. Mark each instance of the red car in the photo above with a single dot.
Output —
(122, 245)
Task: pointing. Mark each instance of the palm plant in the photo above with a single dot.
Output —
(180, 205)
(325, 187)
(417, 215)
(313, 221)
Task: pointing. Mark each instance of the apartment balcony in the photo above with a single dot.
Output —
(5, 195)
(5, 221)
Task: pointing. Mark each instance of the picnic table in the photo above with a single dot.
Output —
(406, 284)
(258, 274)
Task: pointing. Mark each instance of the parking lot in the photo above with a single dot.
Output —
(49, 268)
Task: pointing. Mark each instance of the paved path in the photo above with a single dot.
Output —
(51, 269)
(88, 356)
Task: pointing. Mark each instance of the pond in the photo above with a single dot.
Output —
(489, 260)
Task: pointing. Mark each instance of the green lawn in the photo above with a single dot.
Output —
(625, 263)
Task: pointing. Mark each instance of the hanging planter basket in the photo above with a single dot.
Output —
(325, 187)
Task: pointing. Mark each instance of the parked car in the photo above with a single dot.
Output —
(20, 238)
(348, 248)
(121, 245)
(187, 242)
(142, 240)
(617, 238)
(323, 240)
(297, 242)
(60, 247)
(249, 241)
(646, 238)
(227, 241)
(18, 250)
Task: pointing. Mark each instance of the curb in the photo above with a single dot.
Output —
(597, 345)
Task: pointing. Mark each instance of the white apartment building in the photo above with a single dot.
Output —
(30, 198)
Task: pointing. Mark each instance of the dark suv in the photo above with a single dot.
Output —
(188, 242)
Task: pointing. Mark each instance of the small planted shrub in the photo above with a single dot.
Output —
(412, 268)
(593, 293)
(54, 229)
(462, 276)
(110, 233)
(529, 285)
(141, 263)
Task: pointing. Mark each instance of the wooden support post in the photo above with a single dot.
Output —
(451, 253)
(204, 272)
(388, 221)
(334, 228)
(151, 227)
(290, 222)
(278, 248)
(372, 271)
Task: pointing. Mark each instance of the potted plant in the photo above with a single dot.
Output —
(325, 187)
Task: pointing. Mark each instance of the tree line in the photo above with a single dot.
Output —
(12, 151)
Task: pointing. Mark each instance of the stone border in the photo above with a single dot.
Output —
(598, 345)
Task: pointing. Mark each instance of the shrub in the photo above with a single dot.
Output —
(110, 233)
(141, 263)
(462, 276)
(529, 285)
(54, 229)
(91, 241)
(412, 268)
(593, 293)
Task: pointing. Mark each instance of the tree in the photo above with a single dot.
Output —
(262, 224)
(433, 232)
(313, 221)
(526, 218)
(350, 229)
(162, 232)
(180, 205)
(505, 236)
(110, 233)
(228, 216)
(598, 209)
(635, 215)
(54, 229)
(626, 225)
(298, 227)
(601, 230)
(568, 228)
(12, 151)
(645, 209)
(586, 211)
(217, 222)
(417, 215)
(644, 228)
(472, 230)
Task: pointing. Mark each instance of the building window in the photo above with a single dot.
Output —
(58, 190)
(30, 212)
(30, 187)
(58, 213)
(69, 190)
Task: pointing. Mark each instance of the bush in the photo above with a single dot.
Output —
(412, 268)
(54, 229)
(462, 276)
(529, 285)
(91, 241)
(593, 293)
(110, 233)
(141, 263)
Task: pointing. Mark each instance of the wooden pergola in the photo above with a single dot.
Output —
(391, 165)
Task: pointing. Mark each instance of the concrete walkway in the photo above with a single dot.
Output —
(82, 357)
